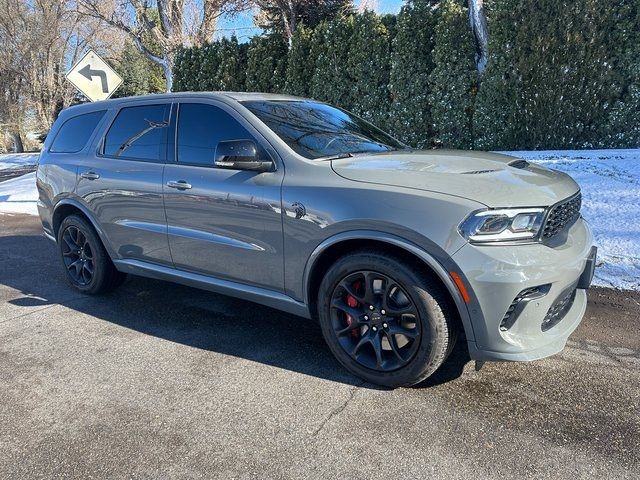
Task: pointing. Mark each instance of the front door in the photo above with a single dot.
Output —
(221, 222)
(122, 182)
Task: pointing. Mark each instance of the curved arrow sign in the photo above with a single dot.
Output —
(88, 73)
(94, 77)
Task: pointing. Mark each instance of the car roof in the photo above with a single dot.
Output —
(237, 96)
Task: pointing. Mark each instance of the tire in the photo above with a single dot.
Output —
(86, 262)
(352, 333)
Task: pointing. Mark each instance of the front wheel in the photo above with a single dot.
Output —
(385, 321)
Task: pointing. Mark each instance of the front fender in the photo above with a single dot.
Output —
(435, 258)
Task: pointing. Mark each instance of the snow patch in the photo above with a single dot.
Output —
(16, 161)
(19, 195)
(610, 183)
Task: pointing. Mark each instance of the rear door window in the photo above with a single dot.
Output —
(139, 133)
(75, 132)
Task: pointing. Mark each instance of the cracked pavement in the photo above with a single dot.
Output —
(159, 381)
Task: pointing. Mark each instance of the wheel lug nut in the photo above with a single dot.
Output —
(383, 312)
(366, 317)
(374, 328)
(371, 307)
(385, 325)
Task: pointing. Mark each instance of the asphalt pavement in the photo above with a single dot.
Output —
(158, 380)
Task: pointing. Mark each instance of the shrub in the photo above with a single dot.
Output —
(332, 81)
(550, 80)
(411, 64)
(266, 64)
(453, 81)
(300, 63)
(369, 65)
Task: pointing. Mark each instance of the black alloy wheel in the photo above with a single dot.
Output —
(77, 255)
(375, 320)
(385, 318)
(87, 264)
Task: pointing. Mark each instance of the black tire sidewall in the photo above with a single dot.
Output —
(426, 296)
(102, 263)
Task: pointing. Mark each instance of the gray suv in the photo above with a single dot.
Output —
(307, 208)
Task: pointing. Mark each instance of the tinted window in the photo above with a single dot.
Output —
(75, 132)
(315, 130)
(139, 132)
(200, 128)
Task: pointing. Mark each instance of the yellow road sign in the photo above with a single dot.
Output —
(94, 77)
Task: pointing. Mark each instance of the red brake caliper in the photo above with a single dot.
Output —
(353, 303)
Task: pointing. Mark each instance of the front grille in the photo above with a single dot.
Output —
(561, 216)
(559, 309)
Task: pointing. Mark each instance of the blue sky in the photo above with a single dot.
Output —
(242, 24)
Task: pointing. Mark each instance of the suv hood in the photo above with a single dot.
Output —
(487, 178)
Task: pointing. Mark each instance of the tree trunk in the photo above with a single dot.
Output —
(167, 68)
(478, 21)
(18, 146)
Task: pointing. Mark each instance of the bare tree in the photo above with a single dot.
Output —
(39, 39)
(478, 21)
(159, 27)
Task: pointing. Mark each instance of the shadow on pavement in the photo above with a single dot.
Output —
(200, 319)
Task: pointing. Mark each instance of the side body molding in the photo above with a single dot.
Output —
(436, 259)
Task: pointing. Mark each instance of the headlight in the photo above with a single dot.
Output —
(507, 224)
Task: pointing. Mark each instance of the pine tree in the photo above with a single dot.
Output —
(266, 64)
(622, 126)
(231, 67)
(208, 74)
(550, 80)
(495, 121)
(187, 70)
(139, 75)
(369, 64)
(284, 18)
(332, 81)
(300, 63)
(180, 67)
(411, 64)
(453, 81)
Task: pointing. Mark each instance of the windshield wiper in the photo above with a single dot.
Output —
(335, 157)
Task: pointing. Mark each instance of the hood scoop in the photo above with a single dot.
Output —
(478, 172)
(519, 163)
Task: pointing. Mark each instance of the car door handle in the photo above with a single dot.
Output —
(90, 175)
(179, 184)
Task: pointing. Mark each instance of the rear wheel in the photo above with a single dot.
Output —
(86, 262)
(385, 321)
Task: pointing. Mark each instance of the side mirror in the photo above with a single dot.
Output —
(240, 155)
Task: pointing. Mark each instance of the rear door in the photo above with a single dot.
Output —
(121, 181)
(227, 223)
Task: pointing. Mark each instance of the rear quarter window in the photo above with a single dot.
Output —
(75, 132)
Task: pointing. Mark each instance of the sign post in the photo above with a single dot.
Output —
(94, 77)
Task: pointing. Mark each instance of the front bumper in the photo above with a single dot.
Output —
(498, 276)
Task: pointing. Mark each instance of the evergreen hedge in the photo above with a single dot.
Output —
(411, 64)
(332, 81)
(369, 65)
(561, 74)
(454, 78)
(266, 64)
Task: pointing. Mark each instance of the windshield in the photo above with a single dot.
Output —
(317, 130)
